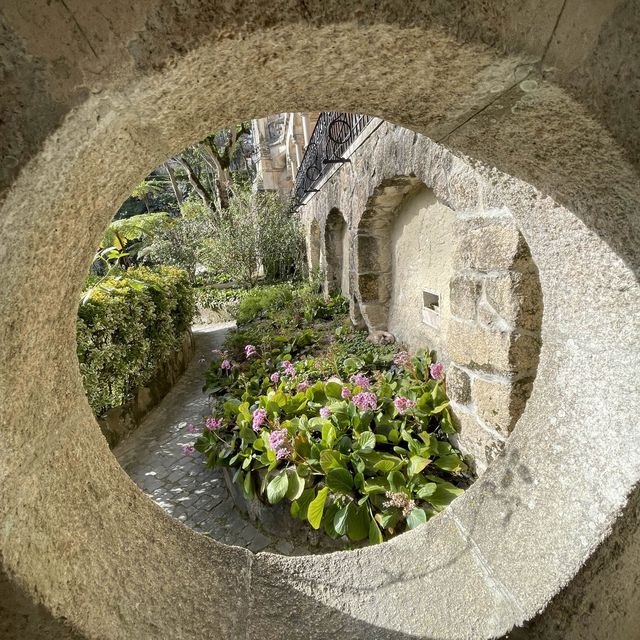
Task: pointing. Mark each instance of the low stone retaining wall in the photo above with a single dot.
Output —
(118, 422)
(276, 520)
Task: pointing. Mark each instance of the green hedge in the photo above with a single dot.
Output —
(125, 332)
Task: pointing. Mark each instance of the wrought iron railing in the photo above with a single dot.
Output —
(333, 134)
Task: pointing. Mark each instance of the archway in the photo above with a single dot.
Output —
(336, 242)
(76, 532)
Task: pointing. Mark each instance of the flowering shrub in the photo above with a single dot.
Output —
(361, 452)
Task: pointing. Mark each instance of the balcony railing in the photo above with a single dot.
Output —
(332, 136)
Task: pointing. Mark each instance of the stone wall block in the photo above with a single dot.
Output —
(477, 445)
(458, 385)
(516, 297)
(464, 293)
(500, 404)
(375, 287)
(375, 316)
(489, 245)
(492, 351)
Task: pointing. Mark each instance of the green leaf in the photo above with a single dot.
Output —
(295, 485)
(416, 517)
(330, 459)
(396, 481)
(451, 462)
(340, 480)
(333, 389)
(340, 519)
(328, 434)
(417, 464)
(367, 441)
(299, 507)
(377, 485)
(248, 485)
(375, 535)
(316, 508)
(358, 523)
(277, 488)
(426, 490)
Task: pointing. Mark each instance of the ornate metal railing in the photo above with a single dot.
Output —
(333, 134)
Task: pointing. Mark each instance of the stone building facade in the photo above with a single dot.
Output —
(394, 233)
(280, 141)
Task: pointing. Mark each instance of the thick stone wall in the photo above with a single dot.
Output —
(542, 95)
(404, 240)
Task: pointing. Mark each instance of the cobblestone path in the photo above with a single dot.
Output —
(181, 484)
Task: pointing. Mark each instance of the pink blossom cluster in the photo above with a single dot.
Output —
(259, 418)
(365, 400)
(213, 423)
(279, 442)
(345, 393)
(250, 351)
(360, 380)
(225, 365)
(325, 413)
(275, 377)
(402, 404)
(289, 369)
(402, 359)
(191, 428)
(436, 370)
(188, 448)
(303, 386)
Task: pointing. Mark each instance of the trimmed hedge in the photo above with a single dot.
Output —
(124, 334)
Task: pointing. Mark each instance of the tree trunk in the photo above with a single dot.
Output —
(195, 182)
(174, 184)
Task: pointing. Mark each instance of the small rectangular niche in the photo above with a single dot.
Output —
(431, 308)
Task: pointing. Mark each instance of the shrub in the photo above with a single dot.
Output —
(127, 328)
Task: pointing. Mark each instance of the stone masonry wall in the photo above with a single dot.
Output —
(489, 334)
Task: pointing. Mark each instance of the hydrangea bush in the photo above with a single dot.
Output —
(357, 446)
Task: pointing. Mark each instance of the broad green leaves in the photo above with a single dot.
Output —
(316, 508)
(277, 488)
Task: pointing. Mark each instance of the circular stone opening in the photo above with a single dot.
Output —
(77, 531)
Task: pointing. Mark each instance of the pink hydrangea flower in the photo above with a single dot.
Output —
(279, 442)
(402, 359)
(289, 369)
(275, 377)
(402, 404)
(303, 386)
(360, 380)
(436, 370)
(259, 418)
(191, 428)
(188, 448)
(225, 365)
(365, 400)
(325, 413)
(345, 393)
(249, 351)
(213, 423)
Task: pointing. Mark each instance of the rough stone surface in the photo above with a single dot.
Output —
(464, 296)
(479, 444)
(458, 385)
(543, 97)
(499, 404)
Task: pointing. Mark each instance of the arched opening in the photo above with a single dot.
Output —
(336, 242)
(313, 244)
(77, 531)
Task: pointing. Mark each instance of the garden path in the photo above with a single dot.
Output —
(181, 484)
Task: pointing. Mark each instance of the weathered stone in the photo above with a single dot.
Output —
(458, 385)
(374, 287)
(373, 254)
(516, 297)
(464, 293)
(491, 351)
(500, 404)
(486, 245)
(476, 442)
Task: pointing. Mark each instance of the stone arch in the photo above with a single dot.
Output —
(110, 95)
(313, 246)
(374, 249)
(336, 243)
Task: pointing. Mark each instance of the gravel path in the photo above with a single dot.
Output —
(181, 484)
